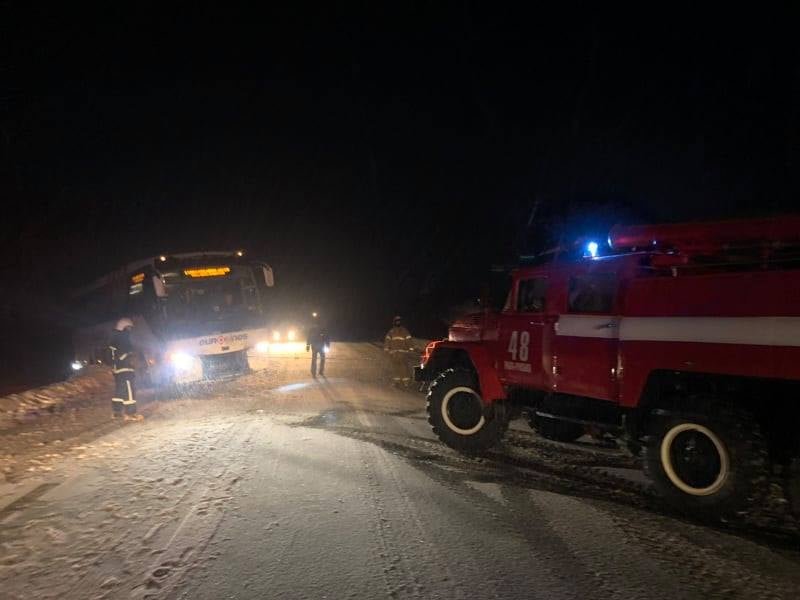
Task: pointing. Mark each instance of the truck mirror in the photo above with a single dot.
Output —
(269, 278)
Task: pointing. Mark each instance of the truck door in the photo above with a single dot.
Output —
(585, 337)
(522, 332)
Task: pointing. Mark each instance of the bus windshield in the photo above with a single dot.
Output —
(198, 306)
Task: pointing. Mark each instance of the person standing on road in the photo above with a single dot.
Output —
(319, 343)
(123, 404)
(399, 345)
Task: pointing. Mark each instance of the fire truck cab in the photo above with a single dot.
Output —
(684, 342)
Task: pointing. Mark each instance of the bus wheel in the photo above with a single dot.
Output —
(700, 464)
(456, 413)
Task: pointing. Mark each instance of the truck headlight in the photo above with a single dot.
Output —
(276, 335)
(182, 361)
(76, 365)
(291, 335)
(262, 347)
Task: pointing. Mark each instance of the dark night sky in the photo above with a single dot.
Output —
(382, 158)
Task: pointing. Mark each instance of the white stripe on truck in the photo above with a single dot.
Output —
(592, 326)
(754, 331)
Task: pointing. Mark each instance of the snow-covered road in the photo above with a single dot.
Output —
(278, 486)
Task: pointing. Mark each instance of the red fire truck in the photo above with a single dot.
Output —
(683, 342)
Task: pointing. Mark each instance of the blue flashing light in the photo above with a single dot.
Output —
(592, 248)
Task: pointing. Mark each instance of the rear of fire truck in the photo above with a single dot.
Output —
(709, 347)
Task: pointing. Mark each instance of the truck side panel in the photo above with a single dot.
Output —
(740, 324)
(730, 294)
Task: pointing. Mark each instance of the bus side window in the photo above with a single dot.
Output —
(135, 299)
(250, 294)
(251, 298)
(142, 301)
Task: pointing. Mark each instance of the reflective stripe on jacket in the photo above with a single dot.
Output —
(398, 339)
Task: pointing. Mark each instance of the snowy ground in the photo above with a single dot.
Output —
(278, 486)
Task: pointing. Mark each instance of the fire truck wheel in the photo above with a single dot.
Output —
(456, 413)
(553, 429)
(704, 465)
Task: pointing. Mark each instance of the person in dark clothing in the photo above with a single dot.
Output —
(400, 346)
(319, 343)
(124, 401)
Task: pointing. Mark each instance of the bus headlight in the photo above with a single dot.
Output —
(262, 347)
(182, 361)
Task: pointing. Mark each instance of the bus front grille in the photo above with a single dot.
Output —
(221, 365)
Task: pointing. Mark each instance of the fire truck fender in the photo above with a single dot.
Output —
(450, 354)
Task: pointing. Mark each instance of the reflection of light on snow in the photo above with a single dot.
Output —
(292, 386)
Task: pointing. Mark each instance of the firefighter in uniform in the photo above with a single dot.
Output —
(123, 404)
(399, 346)
(319, 343)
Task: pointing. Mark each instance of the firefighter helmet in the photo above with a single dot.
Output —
(397, 320)
(123, 324)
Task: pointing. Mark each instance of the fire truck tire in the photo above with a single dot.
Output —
(703, 465)
(558, 431)
(456, 413)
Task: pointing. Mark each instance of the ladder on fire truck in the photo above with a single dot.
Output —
(744, 243)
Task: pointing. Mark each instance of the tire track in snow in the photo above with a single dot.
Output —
(196, 483)
(428, 555)
(582, 532)
(398, 575)
(453, 566)
(557, 541)
(205, 503)
(715, 563)
(510, 520)
(497, 533)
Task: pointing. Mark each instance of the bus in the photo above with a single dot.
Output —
(196, 316)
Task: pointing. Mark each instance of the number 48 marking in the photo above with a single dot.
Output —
(518, 345)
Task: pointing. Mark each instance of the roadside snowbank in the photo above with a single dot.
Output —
(15, 408)
(96, 383)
